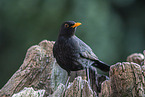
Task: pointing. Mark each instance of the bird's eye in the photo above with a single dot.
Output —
(66, 25)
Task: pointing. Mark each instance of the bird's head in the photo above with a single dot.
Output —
(68, 28)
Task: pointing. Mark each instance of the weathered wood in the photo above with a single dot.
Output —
(126, 80)
(37, 71)
(40, 71)
(136, 58)
(78, 88)
(30, 92)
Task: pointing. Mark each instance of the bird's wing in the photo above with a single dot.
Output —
(85, 50)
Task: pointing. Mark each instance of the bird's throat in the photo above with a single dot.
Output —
(67, 34)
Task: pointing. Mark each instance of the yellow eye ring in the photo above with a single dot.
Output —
(66, 25)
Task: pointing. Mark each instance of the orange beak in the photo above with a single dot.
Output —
(76, 24)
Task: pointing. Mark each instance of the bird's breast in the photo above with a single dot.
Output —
(67, 53)
(67, 48)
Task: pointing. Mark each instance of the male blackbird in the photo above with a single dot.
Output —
(72, 54)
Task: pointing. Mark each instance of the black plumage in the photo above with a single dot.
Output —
(71, 53)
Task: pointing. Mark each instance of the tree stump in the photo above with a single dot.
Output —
(41, 72)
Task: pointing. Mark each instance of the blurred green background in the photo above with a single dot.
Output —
(112, 28)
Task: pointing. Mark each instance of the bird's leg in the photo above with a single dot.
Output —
(87, 73)
(66, 84)
(67, 81)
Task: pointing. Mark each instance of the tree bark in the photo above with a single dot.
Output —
(126, 80)
(40, 71)
(37, 71)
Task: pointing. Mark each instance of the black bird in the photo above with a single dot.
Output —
(72, 54)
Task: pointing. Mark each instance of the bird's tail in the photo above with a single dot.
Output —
(101, 65)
